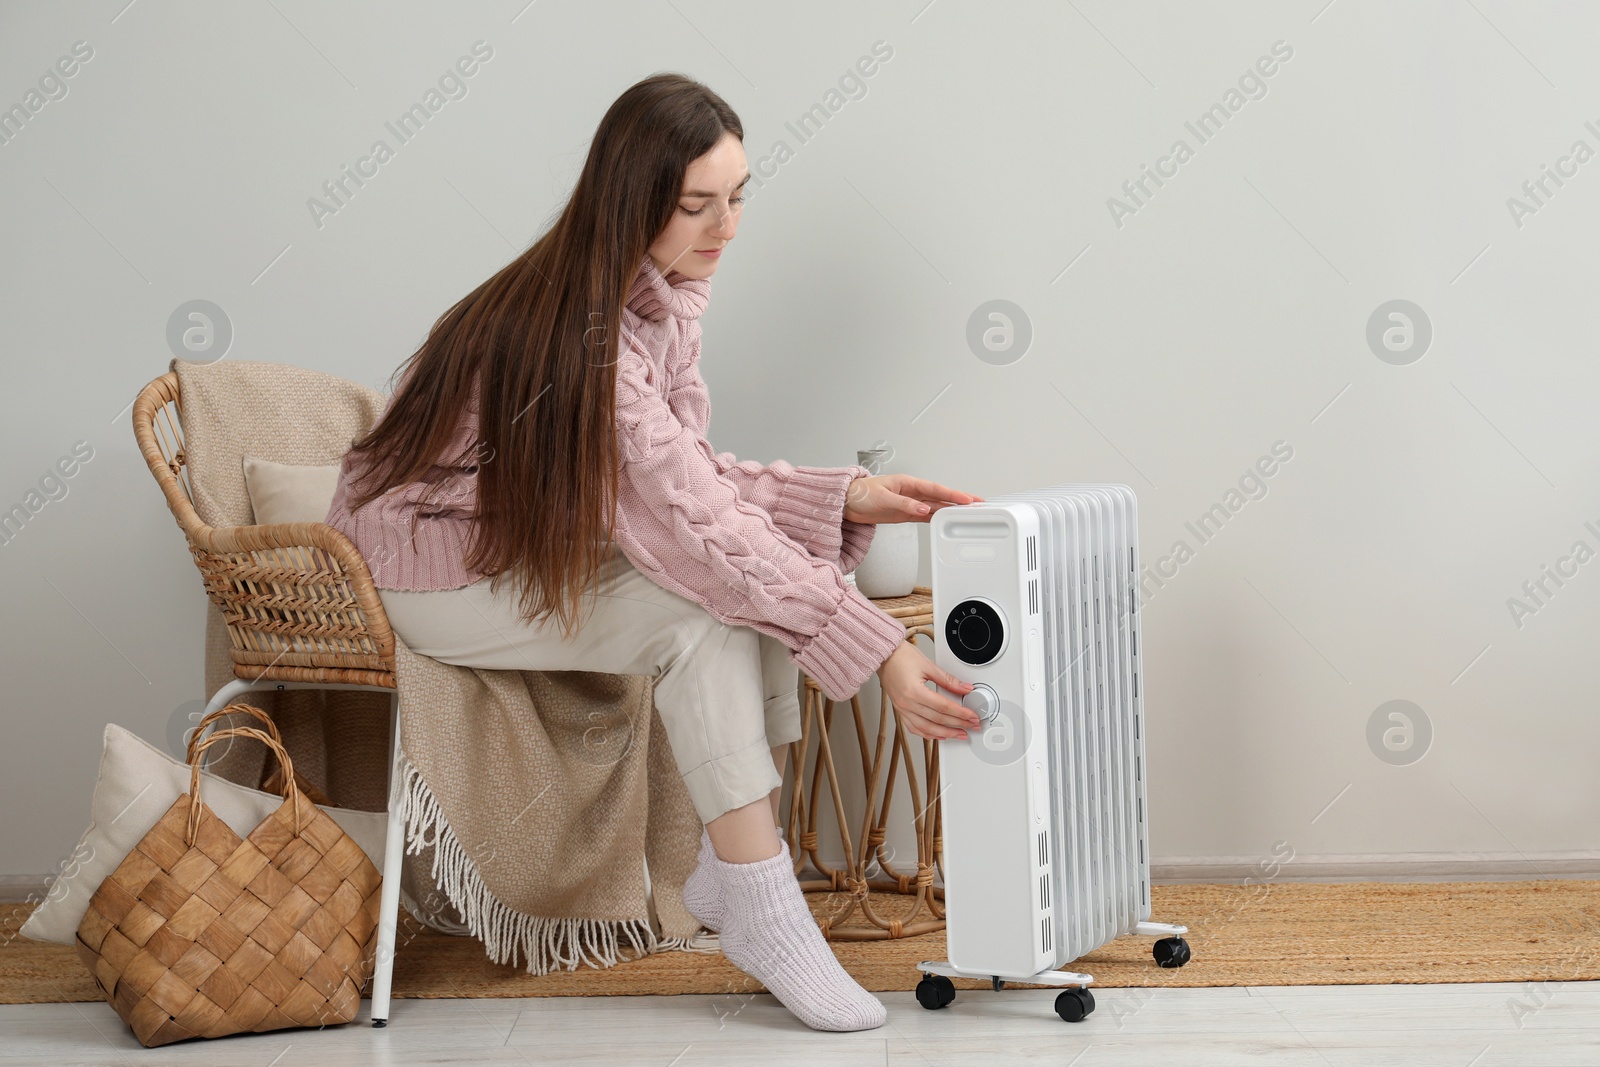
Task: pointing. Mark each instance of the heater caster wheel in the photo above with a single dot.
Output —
(1074, 1005)
(935, 991)
(1171, 952)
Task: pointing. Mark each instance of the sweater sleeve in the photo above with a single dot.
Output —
(683, 523)
(807, 503)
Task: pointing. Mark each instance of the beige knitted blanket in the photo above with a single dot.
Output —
(533, 799)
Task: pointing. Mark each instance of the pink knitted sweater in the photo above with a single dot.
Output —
(760, 546)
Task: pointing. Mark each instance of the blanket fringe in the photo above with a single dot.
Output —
(704, 941)
(545, 943)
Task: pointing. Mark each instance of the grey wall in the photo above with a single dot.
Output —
(1175, 341)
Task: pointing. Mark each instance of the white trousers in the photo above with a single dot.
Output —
(726, 694)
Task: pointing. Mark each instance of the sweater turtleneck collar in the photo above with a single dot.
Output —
(655, 297)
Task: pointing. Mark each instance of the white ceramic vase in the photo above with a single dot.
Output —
(890, 566)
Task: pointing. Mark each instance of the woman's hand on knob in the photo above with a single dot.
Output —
(925, 712)
(882, 498)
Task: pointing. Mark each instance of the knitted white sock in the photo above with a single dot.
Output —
(702, 893)
(769, 934)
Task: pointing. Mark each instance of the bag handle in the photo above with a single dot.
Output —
(291, 793)
(269, 782)
(266, 720)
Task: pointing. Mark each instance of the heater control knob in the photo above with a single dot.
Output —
(983, 700)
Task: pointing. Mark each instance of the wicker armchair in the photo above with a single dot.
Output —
(301, 612)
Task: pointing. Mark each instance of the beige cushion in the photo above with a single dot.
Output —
(289, 492)
(138, 783)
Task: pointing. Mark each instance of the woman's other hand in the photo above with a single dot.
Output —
(925, 712)
(884, 498)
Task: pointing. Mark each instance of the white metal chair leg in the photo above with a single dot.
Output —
(236, 688)
(389, 900)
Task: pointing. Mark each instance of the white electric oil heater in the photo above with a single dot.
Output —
(1046, 852)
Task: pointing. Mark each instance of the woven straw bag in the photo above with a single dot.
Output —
(198, 933)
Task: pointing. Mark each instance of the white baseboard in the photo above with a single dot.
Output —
(16, 888)
(1369, 867)
(1380, 867)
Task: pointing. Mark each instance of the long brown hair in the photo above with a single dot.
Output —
(540, 340)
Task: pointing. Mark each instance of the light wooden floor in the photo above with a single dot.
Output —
(1417, 1026)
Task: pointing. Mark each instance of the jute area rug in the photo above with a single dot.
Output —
(1357, 933)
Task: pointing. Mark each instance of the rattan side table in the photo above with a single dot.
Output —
(872, 878)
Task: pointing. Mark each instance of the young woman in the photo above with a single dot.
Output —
(547, 446)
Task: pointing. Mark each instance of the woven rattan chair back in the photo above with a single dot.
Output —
(297, 598)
